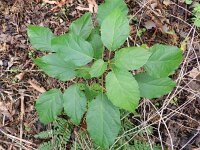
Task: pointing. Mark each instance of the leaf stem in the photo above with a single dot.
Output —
(102, 81)
(109, 55)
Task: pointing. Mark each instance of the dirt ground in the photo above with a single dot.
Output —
(175, 118)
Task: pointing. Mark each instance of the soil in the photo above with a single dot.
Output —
(167, 22)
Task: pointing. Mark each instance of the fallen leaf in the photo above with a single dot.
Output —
(13, 60)
(20, 76)
(167, 2)
(4, 110)
(5, 38)
(154, 5)
(194, 86)
(150, 24)
(61, 3)
(165, 28)
(3, 47)
(173, 36)
(183, 46)
(35, 85)
(194, 73)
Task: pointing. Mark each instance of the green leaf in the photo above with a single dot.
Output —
(109, 6)
(95, 41)
(115, 30)
(48, 145)
(49, 105)
(131, 58)
(83, 72)
(122, 90)
(196, 21)
(73, 48)
(98, 68)
(74, 103)
(56, 67)
(103, 121)
(196, 8)
(188, 2)
(91, 91)
(96, 89)
(40, 38)
(151, 87)
(82, 26)
(44, 134)
(60, 42)
(163, 61)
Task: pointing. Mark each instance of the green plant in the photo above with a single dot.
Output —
(58, 136)
(111, 83)
(188, 2)
(195, 12)
(138, 145)
(141, 31)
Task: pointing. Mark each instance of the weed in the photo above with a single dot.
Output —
(80, 53)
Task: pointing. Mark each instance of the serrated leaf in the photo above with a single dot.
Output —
(44, 134)
(56, 67)
(73, 48)
(114, 30)
(109, 6)
(95, 41)
(163, 61)
(74, 103)
(82, 26)
(98, 68)
(151, 87)
(40, 38)
(49, 105)
(131, 58)
(49, 145)
(122, 90)
(83, 72)
(103, 121)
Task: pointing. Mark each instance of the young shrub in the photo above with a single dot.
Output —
(80, 54)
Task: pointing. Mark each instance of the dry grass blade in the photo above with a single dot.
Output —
(36, 86)
(50, 2)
